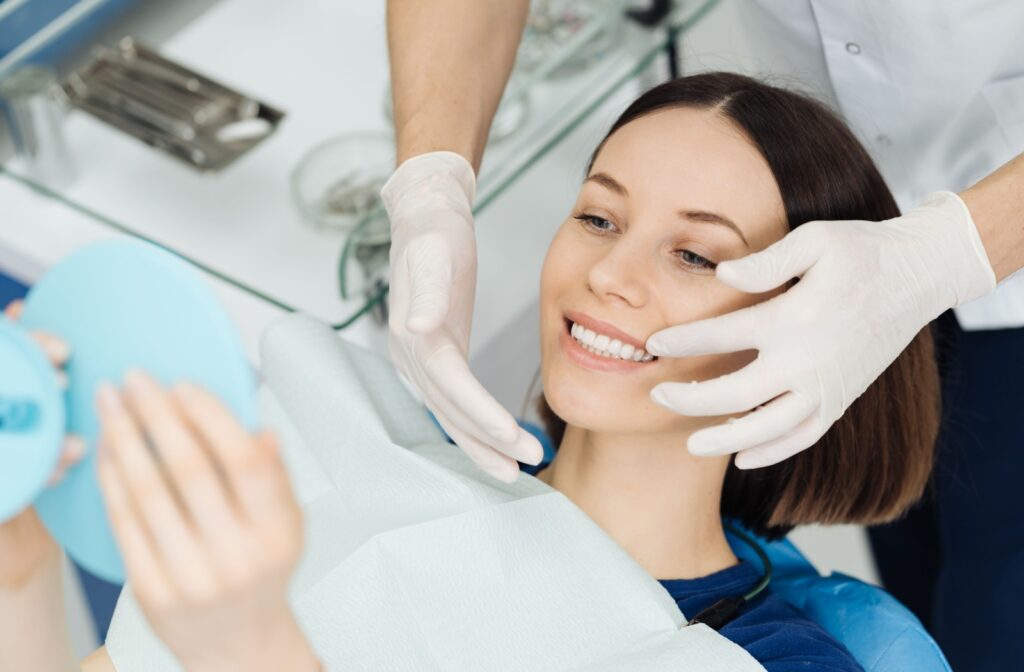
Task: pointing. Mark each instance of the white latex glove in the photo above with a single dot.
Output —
(433, 282)
(865, 290)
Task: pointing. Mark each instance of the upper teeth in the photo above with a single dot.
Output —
(606, 346)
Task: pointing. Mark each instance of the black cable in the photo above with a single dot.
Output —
(652, 15)
(725, 610)
(672, 54)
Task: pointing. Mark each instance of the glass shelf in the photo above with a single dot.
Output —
(241, 225)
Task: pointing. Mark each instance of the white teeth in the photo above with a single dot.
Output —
(603, 345)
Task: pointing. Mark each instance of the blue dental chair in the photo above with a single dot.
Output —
(880, 633)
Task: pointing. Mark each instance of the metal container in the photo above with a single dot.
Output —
(35, 108)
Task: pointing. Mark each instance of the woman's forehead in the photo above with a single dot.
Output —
(695, 159)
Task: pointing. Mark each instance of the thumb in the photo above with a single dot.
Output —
(430, 284)
(787, 259)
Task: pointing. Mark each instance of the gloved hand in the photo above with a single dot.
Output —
(433, 281)
(865, 290)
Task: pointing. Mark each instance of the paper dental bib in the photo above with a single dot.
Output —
(417, 561)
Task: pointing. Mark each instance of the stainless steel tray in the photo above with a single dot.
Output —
(168, 106)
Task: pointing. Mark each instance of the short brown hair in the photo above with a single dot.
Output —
(875, 461)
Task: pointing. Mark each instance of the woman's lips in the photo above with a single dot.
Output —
(600, 327)
(574, 350)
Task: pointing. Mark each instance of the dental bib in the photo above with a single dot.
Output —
(416, 560)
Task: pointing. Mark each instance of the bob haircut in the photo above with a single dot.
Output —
(875, 461)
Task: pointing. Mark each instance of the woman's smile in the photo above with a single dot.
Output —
(600, 346)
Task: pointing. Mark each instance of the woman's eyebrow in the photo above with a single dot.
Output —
(608, 182)
(713, 218)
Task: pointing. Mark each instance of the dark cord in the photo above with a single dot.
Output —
(766, 563)
(652, 15)
(725, 610)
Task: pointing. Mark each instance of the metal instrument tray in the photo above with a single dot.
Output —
(168, 106)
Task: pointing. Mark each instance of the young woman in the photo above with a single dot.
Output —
(697, 171)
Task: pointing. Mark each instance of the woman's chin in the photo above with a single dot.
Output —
(597, 412)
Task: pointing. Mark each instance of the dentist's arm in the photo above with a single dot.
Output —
(450, 60)
(865, 290)
(997, 207)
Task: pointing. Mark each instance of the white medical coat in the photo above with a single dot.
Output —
(933, 88)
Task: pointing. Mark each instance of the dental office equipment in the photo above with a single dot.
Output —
(35, 113)
(337, 183)
(118, 304)
(170, 107)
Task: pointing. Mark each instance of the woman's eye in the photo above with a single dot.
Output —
(595, 222)
(694, 260)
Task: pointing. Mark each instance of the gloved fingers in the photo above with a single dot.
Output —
(732, 332)
(771, 452)
(764, 423)
(516, 445)
(488, 459)
(527, 447)
(429, 263)
(449, 372)
(774, 266)
(736, 392)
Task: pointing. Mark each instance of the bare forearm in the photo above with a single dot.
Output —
(450, 61)
(997, 207)
(33, 622)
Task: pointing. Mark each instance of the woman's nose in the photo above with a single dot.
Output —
(620, 274)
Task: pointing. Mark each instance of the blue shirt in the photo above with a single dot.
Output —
(771, 630)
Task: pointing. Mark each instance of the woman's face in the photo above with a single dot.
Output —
(670, 195)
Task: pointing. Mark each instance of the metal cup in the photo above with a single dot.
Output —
(35, 109)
